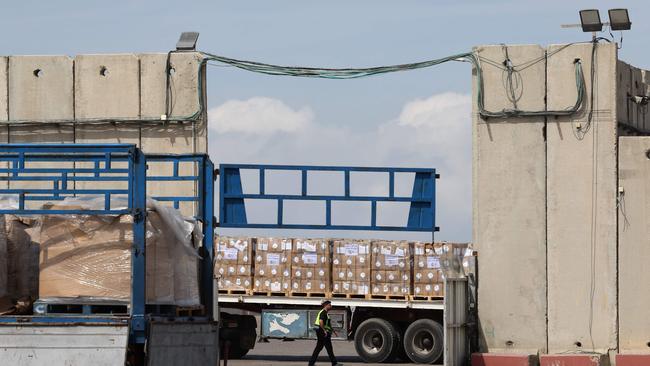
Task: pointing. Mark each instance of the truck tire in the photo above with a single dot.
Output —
(423, 341)
(376, 340)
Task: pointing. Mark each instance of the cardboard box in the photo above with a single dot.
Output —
(310, 266)
(351, 270)
(234, 263)
(272, 265)
(391, 268)
(90, 256)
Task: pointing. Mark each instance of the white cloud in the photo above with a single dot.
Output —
(431, 132)
(258, 115)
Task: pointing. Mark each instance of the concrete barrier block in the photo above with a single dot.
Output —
(574, 360)
(623, 88)
(581, 205)
(637, 111)
(40, 88)
(45, 133)
(120, 133)
(503, 359)
(107, 86)
(184, 83)
(633, 360)
(634, 244)
(4, 93)
(177, 138)
(509, 208)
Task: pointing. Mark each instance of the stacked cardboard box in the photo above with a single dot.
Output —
(233, 263)
(391, 268)
(428, 278)
(272, 265)
(310, 267)
(351, 267)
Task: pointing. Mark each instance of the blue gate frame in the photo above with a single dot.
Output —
(232, 209)
(96, 163)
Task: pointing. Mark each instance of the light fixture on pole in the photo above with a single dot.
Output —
(187, 41)
(619, 20)
(590, 20)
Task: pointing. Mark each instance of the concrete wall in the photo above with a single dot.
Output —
(106, 99)
(634, 244)
(509, 209)
(581, 186)
(545, 210)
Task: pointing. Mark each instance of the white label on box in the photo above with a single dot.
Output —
(391, 260)
(273, 259)
(433, 262)
(308, 258)
(399, 252)
(263, 246)
(286, 245)
(308, 246)
(351, 249)
(275, 286)
(363, 249)
(386, 250)
(230, 254)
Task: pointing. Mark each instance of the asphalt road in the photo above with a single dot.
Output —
(279, 353)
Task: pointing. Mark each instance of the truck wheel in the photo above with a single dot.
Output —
(423, 341)
(376, 340)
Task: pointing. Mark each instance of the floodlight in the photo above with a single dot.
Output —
(590, 20)
(619, 19)
(187, 42)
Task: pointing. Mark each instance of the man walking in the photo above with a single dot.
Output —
(324, 330)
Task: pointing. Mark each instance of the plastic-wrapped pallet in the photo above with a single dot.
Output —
(391, 268)
(428, 278)
(89, 256)
(351, 267)
(310, 272)
(233, 263)
(272, 265)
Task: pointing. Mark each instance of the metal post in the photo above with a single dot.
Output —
(456, 350)
(138, 263)
(207, 215)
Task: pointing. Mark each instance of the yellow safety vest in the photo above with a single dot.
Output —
(328, 325)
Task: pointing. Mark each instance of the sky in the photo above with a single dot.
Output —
(409, 119)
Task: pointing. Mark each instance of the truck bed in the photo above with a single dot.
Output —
(337, 302)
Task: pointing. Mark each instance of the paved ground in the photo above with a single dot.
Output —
(278, 353)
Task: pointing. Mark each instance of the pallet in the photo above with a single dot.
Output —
(80, 307)
(350, 296)
(190, 311)
(311, 294)
(234, 292)
(426, 298)
(268, 293)
(389, 297)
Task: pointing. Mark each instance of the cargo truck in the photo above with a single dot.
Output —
(382, 328)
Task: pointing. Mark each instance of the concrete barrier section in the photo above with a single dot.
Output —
(509, 207)
(107, 86)
(582, 188)
(634, 244)
(40, 88)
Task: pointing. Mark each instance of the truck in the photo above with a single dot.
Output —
(146, 334)
(382, 328)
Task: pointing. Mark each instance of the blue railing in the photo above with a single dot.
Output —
(232, 208)
(43, 173)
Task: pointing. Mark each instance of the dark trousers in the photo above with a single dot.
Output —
(324, 340)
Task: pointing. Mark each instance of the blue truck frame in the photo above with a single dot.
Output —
(422, 202)
(63, 166)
